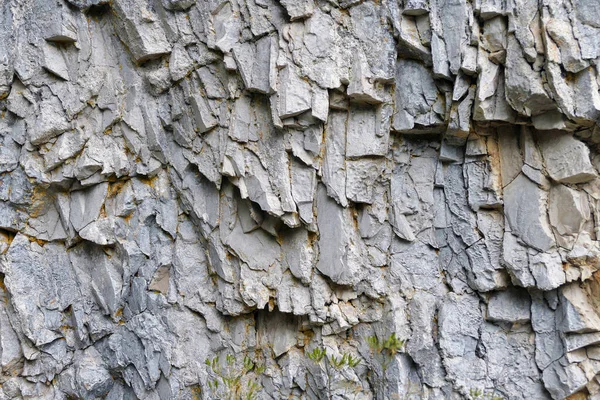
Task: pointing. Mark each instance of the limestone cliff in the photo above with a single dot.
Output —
(339, 199)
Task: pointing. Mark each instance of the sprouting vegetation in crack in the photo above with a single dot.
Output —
(383, 352)
(234, 379)
(478, 394)
(334, 367)
(389, 347)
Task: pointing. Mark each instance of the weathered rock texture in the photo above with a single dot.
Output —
(181, 179)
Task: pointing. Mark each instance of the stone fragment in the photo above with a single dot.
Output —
(482, 271)
(161, 279)
(203, 115)
(258, 188)
(476, 146)
(58, 23)
(256, 63)
(304, 185)
(469, 64)
(67, 145)
(180, 63)
(419, 266)
(257, 248)
(459, 321)
(101, 276)
(413, 197)
(481, 186)
(281, 336)
(567, 159)
(494, 35)
(100, 231)
(563, 380)
(294, 93)
(362, 87)
(547, 270)
(293, 297)
(54, 62)
(334, 161)
(298, 9)
(512, 305)
(178, 4)
(569, 211)
(19, 100)
(39, 310)
(561, 33)
(490, 100)
(412, 42)
(12, 354)
(241, 120)
(325, 63)
(581, 340)
(375, 40)
(512, 347)
(86, 204)
(511, 159)
(461, 114)
(525, 210)
(139, 27)
(367, 132)
(320, 104)
(416, 7)
(417, 100)
(362, 175)
(50, 122)
(299, 254)
(439, 57)
(551, 120)
(463, 219)
(577, 312)
(159, 79)
(525, 91)
(337, 260)
(93, 378)
(586, 96)
(516, 260)
(421, 346)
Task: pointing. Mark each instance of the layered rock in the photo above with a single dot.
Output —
(261, 180)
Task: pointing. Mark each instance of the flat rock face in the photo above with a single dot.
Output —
(307, 199)
(526, 213)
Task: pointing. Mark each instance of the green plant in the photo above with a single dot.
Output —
(236, 380)
(391, 345)
(319, 356)
(478, 394)
(386, 350)
(345, 360)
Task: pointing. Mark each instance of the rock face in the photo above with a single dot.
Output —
(199, 190)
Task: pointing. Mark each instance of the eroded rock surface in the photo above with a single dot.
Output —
(260, 179)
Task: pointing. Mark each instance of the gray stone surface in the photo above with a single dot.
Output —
(526, 212)
(512, 305)
(567, 159)
(183, 179)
